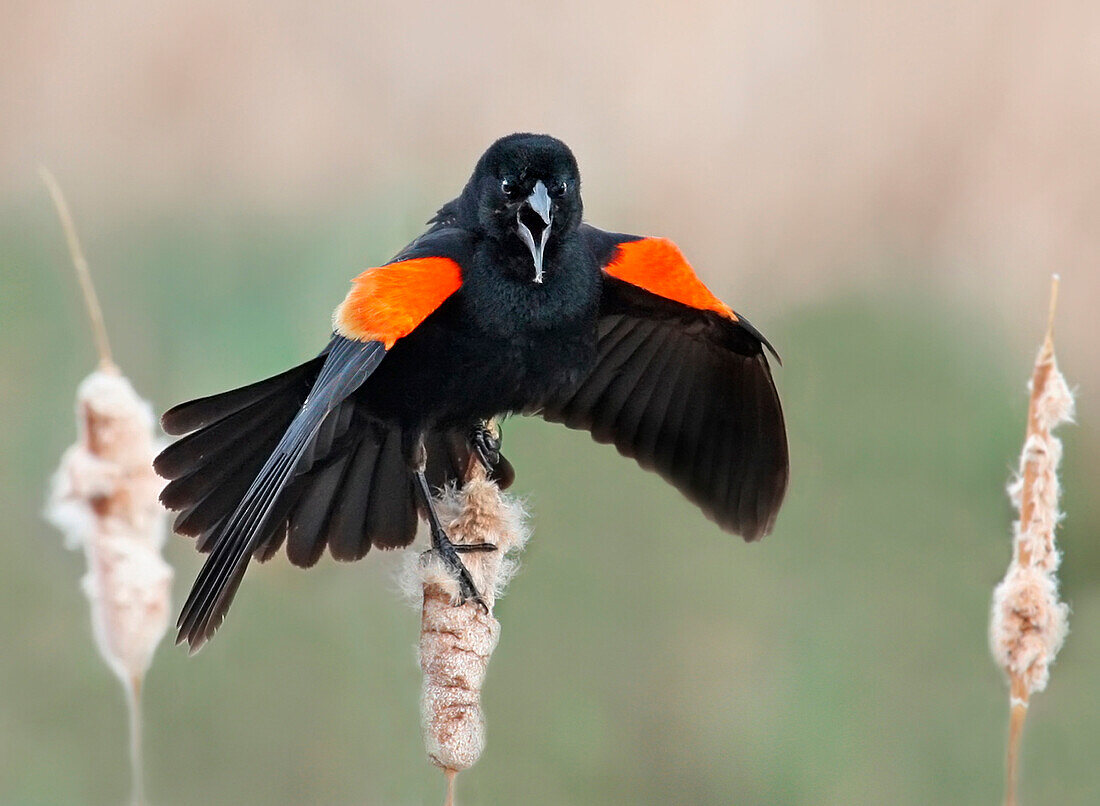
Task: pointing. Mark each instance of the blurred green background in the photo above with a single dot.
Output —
(884, 196)
(646, 656)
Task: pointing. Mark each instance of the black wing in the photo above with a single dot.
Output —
(687, 393)
(310, 434)
(296, 459)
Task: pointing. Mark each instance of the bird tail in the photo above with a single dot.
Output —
(347, 485)
(229, 437)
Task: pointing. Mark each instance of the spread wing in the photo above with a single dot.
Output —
(293, 458)
(682, 385)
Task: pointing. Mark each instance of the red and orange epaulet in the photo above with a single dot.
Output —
(388, 302)
(658, 266)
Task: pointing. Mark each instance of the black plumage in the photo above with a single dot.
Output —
(507, 304)
(690, 395)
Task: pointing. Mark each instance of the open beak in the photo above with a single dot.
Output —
(533, 219)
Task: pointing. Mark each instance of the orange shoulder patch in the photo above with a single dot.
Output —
(387, 303)
(658, 266)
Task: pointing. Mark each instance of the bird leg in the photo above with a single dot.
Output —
(442, 546)
(447, 551)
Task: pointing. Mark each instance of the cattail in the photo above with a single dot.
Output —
(1029, 623)
(456, 641)
(104, 497)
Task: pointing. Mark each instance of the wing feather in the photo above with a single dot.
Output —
(634, 410)
(681, 384)
(346, 366)
(299, 459)
(634, 378)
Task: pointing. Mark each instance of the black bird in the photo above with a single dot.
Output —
(508, 303)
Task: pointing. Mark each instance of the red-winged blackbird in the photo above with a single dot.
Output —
(507, 304)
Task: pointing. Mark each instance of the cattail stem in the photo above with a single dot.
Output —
(450, 775)
(137, 778)
(1055, 279)
(80, 263)
(1017, 714)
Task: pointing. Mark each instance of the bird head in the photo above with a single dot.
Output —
(527, 193)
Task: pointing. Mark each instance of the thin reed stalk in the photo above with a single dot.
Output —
(104, 498)
(80, 264)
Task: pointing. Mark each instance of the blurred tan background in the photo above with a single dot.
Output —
(882, 187)
(781, 142)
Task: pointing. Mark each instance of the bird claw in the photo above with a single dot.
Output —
(486, 444)
(469, 592)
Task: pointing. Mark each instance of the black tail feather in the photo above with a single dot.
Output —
(348, 538)
(256, 473)
(205, 411)
(308, 522)
(391, 508)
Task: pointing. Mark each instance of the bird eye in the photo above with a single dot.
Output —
(557, 190)
(509, 187)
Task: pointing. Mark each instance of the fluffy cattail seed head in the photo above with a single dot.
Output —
(456, 640)
(1029, 623)
(104, 499)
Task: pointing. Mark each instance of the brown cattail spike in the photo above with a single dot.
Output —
(1029, 623)
(104, 497)
(456, 640)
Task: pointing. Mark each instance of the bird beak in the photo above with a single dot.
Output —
(535, 216)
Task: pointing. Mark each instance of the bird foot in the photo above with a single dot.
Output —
(448, 552)
(485, 439)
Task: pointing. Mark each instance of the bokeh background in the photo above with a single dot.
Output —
(884, 188)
